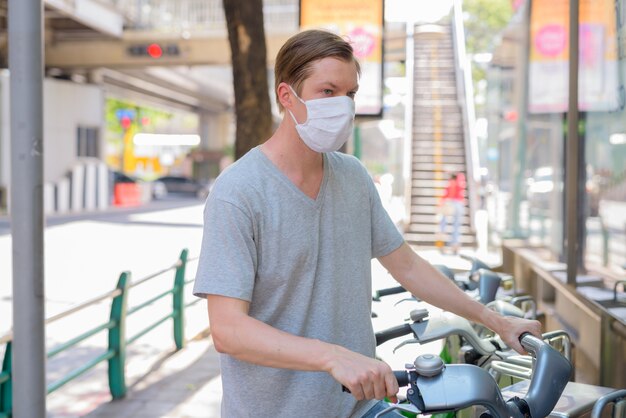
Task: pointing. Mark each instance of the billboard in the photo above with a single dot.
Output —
(361, 23)
(549, 55)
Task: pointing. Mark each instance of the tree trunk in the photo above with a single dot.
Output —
(246, 34)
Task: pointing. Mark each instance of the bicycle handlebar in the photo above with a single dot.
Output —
(436, 328)
(613, 397)
(391, 333)
(551, 370)
(388, 291)
(458, 386)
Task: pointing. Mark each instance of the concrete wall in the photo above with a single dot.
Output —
(67, 105)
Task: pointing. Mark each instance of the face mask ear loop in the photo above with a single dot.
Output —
(302, 101)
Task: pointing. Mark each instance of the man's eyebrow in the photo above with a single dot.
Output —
(334, 86)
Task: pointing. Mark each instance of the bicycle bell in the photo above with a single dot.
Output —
(428, 365)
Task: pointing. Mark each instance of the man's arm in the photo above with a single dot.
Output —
(247, 339)
(424, 281)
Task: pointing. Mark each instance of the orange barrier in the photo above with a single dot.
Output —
(127, 194)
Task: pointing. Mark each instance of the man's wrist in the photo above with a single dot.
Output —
(328, 354)
(491, 319)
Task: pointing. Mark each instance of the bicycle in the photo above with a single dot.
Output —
(436, 388)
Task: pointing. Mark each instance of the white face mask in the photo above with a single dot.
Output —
(329, 122)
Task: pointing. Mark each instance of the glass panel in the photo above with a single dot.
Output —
(605, 152)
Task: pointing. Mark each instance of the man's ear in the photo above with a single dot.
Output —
(284, 95)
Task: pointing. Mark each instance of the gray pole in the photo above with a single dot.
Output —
(572, 150)
(25, 26)
(519, 164)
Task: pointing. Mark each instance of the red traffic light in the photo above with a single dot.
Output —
(155, 50)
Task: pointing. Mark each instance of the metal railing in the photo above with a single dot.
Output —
(195, 16)
(115, 353)
(465, 90)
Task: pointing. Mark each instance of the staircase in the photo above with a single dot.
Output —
(438, 148)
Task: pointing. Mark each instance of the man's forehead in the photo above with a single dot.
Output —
(342, 77)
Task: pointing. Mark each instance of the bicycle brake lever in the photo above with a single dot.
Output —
(405, 408)
(406, 300)
(406, 342)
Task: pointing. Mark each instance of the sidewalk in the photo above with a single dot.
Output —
(187, 384)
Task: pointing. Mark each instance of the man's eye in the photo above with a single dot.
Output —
(328, 91)
(352, 94)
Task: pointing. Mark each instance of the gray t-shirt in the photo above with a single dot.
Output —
(305, 267)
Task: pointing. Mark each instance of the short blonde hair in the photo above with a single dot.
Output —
(296, 56)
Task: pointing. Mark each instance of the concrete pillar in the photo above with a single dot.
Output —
(102, 186)
(90, 186)
(78, 184)
(63, 195)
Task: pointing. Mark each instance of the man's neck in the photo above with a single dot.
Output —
(287, 151)
(303, 166)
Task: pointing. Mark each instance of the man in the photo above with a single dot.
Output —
(285, 265)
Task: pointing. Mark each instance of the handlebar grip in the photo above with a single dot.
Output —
(402, 376)
(389, 291)
(391, 333)
(521, 338)
(550, 375)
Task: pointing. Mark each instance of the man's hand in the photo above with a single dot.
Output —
(365, 378)
(511, 328)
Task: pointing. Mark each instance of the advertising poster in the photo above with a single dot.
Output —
(549, 54)
(361, 23)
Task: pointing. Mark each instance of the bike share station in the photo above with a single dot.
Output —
(477, 375)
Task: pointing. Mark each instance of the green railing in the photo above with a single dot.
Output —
(115, 354)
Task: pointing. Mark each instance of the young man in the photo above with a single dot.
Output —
(290, 231)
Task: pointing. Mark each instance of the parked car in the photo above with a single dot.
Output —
(119, 177)
(180, 185)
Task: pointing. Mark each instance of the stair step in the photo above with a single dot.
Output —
(445, 122)
(442, 91)
(427, 201)
(446, 159)
(444, 118)
(453, 109)
(428, 149)
(431, 103)
(426, 142)
(428, 208)
(427, 204)
(427, 191)
(430, 183)
(449, 167)
(443, 129)
(424, 79)
(431, 218)
(426, 174)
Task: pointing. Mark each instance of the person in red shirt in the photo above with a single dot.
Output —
(452, 204)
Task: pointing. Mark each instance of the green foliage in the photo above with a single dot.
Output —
(484, 20)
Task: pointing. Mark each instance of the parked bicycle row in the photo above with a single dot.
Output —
(476, 374)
